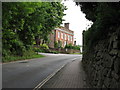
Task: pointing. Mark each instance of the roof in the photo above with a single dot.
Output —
(64, 28)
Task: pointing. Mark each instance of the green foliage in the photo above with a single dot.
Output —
(51, 16)
(69, 46)
(25, 22)
(15, 58)
(77, 47)
(26, 54)
(44, 46)
(56, 44)
(106, 18)
(59, 44)
(55, 52)
(36, 49)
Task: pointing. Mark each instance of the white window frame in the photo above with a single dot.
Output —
(65, 43)
(71, 38)
(65, 36)
(62, 35)
(68, 38)
(58, 34)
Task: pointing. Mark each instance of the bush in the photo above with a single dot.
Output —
(56, 44)
(5, 52)
(55, 52)
(18, 47)
(15, 47)
(27, 55)
(69, 46)
(76, 47)
(42, 48)
(38, 49)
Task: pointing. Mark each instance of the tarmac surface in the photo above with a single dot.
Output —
(29, 73)
(71, 76)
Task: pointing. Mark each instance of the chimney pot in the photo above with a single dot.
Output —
(66, 25)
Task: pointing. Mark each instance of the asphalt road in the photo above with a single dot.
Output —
(29, 73)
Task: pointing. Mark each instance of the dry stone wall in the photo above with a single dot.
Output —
(102, 62)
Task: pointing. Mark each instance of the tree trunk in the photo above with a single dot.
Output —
(37, 39)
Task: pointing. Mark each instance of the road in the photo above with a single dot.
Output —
(29, 73)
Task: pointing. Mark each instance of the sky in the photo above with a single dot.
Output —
(77, 20)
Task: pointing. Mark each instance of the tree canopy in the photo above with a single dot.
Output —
(25, 22)
(105, 17)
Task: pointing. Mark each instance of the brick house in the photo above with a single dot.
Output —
(63, 35)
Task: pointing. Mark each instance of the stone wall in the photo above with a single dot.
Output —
(102, 62)
(66, 51)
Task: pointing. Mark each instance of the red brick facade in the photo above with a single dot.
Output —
(62, 34)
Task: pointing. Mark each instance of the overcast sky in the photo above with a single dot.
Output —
(77, 20)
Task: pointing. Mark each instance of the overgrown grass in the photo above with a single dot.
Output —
(15, 58)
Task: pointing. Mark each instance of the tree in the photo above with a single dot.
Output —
(25, 22)
(51, 18)
(106, 17)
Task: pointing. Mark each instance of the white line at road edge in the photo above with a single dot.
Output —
(50, 76)
(73, 59)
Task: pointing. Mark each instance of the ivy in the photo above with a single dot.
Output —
(105, 17)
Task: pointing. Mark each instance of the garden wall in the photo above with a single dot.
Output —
(102, 62)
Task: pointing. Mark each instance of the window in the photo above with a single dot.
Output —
(68, 38)
(58, 34)
(71, 38)
(65, 43)
(62, 35)
(65, 36)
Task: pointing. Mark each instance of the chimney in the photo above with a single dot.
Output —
(66, 25)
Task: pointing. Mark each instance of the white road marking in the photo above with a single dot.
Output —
(73, 59)
(50, 76)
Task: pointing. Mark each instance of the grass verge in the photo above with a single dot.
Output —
(16, 58)
(76, 53)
